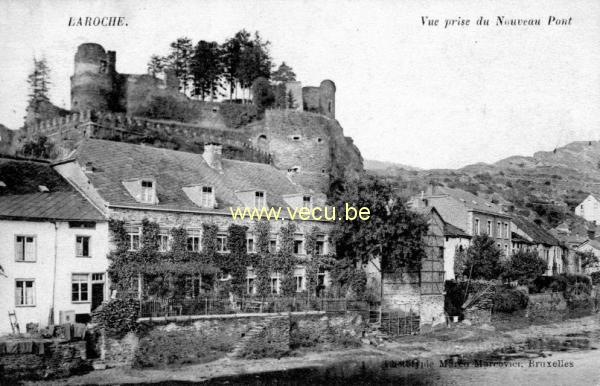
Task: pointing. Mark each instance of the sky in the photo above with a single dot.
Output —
(426, 96)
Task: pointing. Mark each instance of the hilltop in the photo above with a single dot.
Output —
(544, 187)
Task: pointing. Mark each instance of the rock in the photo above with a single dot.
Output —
(487, 327)
(365, 341)
(466, 322)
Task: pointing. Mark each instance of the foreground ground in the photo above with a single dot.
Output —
(459, 340)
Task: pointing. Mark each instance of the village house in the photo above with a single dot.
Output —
(589, 209)
(54, 248)
(528, 236)
(593, 246)
(179, 189)
(465, 215)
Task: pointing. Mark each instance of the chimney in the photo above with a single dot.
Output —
(212, 155)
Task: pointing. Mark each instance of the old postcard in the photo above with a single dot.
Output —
(299, 192)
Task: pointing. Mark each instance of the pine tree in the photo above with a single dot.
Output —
(179, 61)
(206, 69)
(156, 64)
(284, 73)
(39, 82)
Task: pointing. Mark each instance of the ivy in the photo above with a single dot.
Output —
(285, 260)
(236, 262)
(264, 261)
(209, 240)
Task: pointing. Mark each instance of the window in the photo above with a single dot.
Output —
(82, 246)
(298, 246)
(133, 233)
(299, 283)
(506, 249)
(82, 224)
(489, 227)
(221, 243)
(25, 248)
(193, 240)
(207, 198)
(102, 68)
(163, 240)
(98, 277)
(79, 287)
(295, 138)
(272, 246)
(307, 201)
(477, 227)
(499, 229)
(250, 290)
(259, 200)
(274, 285)
(329, 106)
(25, 292)
(250, 245)
(147, 191)
(505, 230)
(320, 245)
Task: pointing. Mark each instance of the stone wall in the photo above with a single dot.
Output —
(41, 359)
(326, 330)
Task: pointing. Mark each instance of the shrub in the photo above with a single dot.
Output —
(483, 259)
(118, 316)
(524, 266)
(262, 94)
(509, 300)
(595, 276)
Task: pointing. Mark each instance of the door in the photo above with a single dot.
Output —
(97, 294)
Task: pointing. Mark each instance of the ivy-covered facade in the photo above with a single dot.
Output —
(172, 229)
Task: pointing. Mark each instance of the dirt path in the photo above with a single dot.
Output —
(458, 340)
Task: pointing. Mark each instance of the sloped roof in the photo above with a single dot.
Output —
(453, 231)
(21, 198)
(115, 162)
(538, 234)
(470, 200)
(517, 238)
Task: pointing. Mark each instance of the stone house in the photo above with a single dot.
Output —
(54, 247)
(589, 209)
(456, 242)
(465, 215)
(422, 292)
(593, 246)
(179, 189)
(530, 236)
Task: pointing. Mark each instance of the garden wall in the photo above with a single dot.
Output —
(41, 359)
(200, 339)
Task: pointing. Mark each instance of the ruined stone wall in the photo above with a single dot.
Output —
(41, 359)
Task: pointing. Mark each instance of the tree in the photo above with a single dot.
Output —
(206, 69)
(483, 259)
(255, 61)
(524, 266)
(232, 52)
(156, 65)
(588, 259)
(179, 61)
(284, 73)
(291, 101)
(392, 232)
(39, 82)
(262, 94)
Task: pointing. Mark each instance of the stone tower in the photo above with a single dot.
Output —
(327, 98)
(94, 79)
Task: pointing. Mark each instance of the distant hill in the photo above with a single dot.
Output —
(383, 166)
(544, 187)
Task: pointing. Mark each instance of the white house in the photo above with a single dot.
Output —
(589, 209)
(54, 248)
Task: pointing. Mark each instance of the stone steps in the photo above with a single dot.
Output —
(252, 334)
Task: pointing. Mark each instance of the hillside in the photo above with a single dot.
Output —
(545, 187)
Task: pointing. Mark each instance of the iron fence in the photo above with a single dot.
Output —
(220, 306)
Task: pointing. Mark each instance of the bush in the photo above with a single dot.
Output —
(262, 94)
(166, 107)
(117, 317)
(509, 300)
(559, 283)
(595, 276)
(524, 267)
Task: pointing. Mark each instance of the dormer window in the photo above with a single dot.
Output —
(307, 201)
(260, 200)
(207, 197)
(147, 191)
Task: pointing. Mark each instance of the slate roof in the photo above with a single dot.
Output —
(537, 233)
(470, 201)
(21, 199)
(115, 162)
(453, 231)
